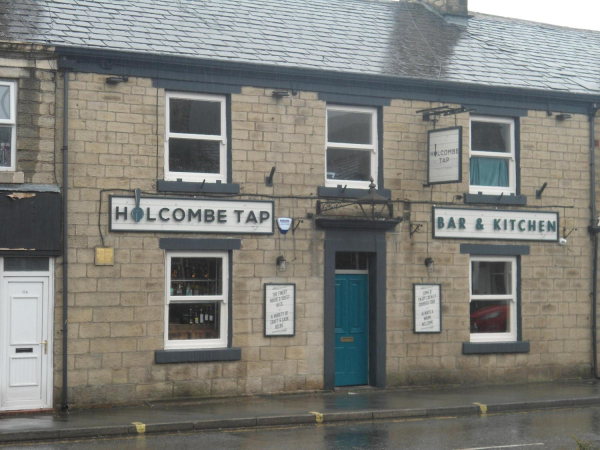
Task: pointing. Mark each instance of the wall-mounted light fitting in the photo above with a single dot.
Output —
(561, 117)
(269, 178)
(280, 93)
(117, 80)
(430, 264)
(540, 191)
(281, 263)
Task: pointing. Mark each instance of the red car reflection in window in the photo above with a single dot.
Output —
(492, 319)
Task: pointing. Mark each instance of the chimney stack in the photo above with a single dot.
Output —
(449, 7)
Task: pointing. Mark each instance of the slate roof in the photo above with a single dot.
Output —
(396, 39)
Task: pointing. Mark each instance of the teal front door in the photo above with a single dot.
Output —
(351, 329)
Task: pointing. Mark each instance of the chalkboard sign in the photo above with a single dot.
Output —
(427, 308)
(280, 309)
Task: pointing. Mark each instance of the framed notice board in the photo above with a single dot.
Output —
(280, 309)
(427, 308)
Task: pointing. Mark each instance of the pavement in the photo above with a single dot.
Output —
(358, 404)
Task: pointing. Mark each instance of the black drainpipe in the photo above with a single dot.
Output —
(594, 231)
(65, 149)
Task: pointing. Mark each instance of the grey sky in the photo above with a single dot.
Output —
(567, 13)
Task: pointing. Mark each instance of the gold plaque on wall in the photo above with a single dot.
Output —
(105, 256)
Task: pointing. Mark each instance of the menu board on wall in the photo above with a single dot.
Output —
(280, 309)
(427, 308)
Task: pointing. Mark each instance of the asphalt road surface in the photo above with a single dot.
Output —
(550, 429)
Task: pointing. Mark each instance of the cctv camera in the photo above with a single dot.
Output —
(562, 241)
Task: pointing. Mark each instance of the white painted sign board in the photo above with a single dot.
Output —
(191, 215)
(280, 309)
(427, 308)
(454, 223)
(444, 156)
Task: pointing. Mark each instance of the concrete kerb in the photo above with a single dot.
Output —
(296, 419)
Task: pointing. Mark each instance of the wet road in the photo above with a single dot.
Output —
(553, 429)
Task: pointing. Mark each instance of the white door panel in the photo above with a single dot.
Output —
(24, 307)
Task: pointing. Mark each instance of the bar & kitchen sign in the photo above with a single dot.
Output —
(451, 223)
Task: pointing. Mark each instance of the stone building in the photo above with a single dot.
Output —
(431, 162)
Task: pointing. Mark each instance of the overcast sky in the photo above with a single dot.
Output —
(568, 13)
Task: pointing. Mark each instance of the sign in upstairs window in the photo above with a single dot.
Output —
(8, 125)
(492, 163)
(195, 138)
(351, 146)
(196, 307)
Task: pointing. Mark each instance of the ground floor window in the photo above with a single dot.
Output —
(196, 306)
(493, 302)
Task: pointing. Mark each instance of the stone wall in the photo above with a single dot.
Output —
(116, 313)
(555, 280)
(34, 67)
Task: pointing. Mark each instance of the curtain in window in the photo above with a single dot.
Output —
(489, 172)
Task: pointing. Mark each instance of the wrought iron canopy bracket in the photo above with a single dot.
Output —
(441, 111)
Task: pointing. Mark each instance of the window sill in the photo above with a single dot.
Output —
(12, 178)
(197, 187)
(340, 192)
(480, 348)
(487, 199)
(197, 355)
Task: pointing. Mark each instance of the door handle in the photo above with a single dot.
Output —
(45, 344)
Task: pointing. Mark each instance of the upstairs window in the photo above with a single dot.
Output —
(195, 137)
(352, 146)
(492, 163)
(8, 126)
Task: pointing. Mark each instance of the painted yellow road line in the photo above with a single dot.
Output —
(482, 408)
(318, 416)
(140, 427)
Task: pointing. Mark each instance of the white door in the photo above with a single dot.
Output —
(24, 343)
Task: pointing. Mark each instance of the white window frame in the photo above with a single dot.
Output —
(513, 298)
(197, 176)
(224, 313)
(373, 148)
(510, 156)
(11, 123)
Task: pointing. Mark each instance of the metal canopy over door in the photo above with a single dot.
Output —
(25, 347)
(351, 329)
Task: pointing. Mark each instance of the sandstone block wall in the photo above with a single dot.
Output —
(555, 280)
(116, 313)
(34, 69)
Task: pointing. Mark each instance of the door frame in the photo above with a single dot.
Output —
(372, 242)
(48, 379)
